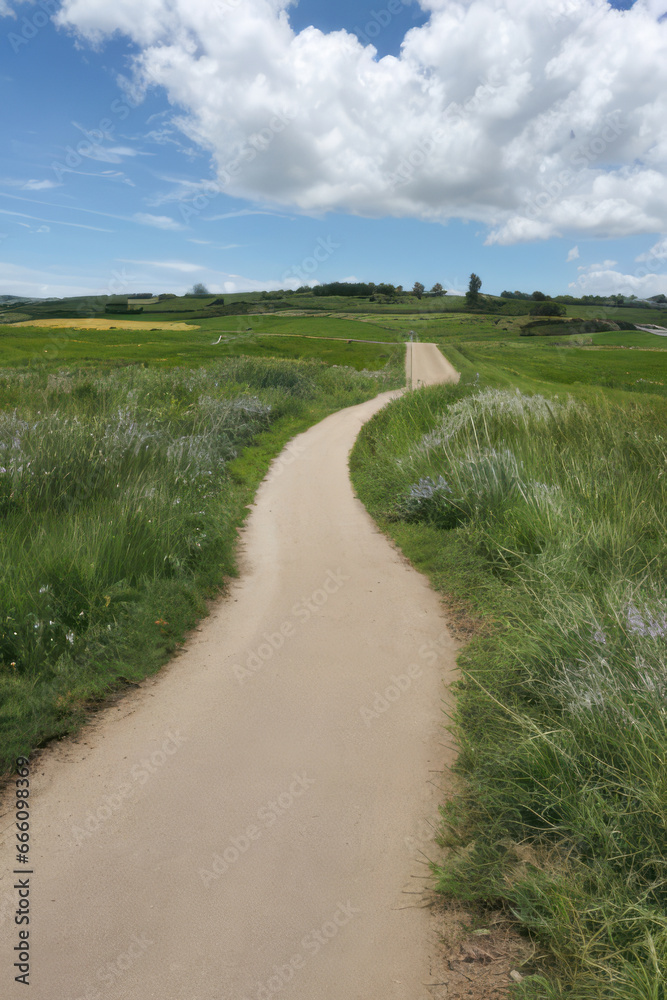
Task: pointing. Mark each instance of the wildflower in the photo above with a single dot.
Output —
(426, 488)
(647, 624)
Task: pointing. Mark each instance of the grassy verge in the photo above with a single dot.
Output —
(121, 490)
(544, 518)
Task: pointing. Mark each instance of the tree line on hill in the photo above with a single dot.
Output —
(369, 289)
(589, 300)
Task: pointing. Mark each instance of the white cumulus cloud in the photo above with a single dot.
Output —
(535, 117)
(605, 281)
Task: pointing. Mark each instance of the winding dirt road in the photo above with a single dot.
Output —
(250, 822)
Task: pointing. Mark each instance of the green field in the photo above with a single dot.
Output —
(538, 362)
(255, 336)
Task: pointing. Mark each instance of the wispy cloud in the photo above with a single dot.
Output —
(573, 255)
(104, 175)
(18, 280)
(139, 218)
(218, 246)
(29, 185)
(604, 265)
(183, 266)
(243, 212)
(39, 185)
(158, 221)
(54, 222)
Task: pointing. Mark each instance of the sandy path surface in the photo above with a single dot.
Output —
(426, 365)
(249, 822)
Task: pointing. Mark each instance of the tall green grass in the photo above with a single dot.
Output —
(120, 493)
(547, 516)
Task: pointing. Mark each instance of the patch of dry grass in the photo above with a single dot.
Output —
(106, 324)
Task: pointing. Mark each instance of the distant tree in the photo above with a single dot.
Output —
(438, 289)
(548, 309)
(539, 296)
(472, 295)
(418, 289)
(399, 289)
(199, 289)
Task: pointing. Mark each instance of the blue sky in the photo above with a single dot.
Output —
(230, 142)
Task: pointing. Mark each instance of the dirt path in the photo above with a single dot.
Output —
(251, 821)
(426, 365)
